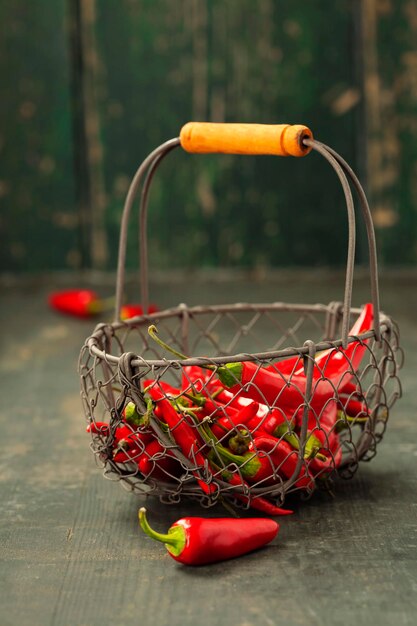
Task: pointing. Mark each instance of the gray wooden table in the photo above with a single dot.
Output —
(70, 548)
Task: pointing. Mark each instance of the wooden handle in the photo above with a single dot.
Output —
(278, 139)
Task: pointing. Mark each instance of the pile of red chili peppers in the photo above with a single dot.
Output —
(238, 426)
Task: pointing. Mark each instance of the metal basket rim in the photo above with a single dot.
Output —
(103, 330)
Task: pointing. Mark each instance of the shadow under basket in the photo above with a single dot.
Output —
(273, 398)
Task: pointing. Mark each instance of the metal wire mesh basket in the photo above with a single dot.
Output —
(274, 399)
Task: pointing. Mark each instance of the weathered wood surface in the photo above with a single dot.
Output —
(70, 548)
(89, 88)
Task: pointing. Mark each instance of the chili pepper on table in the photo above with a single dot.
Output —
(87, 303)
(184, 435)
(76, 302)
(200, 541)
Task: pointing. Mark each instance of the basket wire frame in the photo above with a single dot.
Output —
(121, 364)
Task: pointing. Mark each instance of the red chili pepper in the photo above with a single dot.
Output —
(338, 365)
(169, 390)
(276, 454)
(184, 435)
(256, 466)
(130, 310)
(128, 445)
(312, 445)
(158, 462)
(331, 370)
(274, 420)
(135, 310)
(353, 407)
(98, 428)
(257, 502)
(259, 384)
(87, 303)
(195, 379)
(266, 419)
(233, 419)
(77, 302)
(322, 444)
(199, 541)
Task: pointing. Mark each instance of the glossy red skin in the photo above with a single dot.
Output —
(269, 423)
(183, 434)
(158, 468)
(197, 379)
(258, 503)
(136, 441)
(234, 419)
(169, 390)
(282, 456)
(130, 310)
(353, 407)
(134, 310)
(320, 423)
(98, 428)
(268, 387)
(334, 364)
(323, 427)
(218, 539)
(331, 372)
(74, 302)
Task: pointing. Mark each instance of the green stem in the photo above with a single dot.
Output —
(174, 539)
(101, 305)
(312, 446)
(226, 454)
(229, 374)
(134, 418)
(153, 332)
(348, 418)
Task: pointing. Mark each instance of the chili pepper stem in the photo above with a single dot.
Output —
(229, 374)
(174, 539)
(311, 450)
(153, 332)
(101, 305)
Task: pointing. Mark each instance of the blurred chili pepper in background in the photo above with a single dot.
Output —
(86, 303)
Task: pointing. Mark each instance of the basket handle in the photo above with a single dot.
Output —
(339, 165)
(277, 139)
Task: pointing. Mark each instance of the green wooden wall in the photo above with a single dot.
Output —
(90, 87)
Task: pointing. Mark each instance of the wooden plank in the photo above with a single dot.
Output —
(248, 62)
(39, 216)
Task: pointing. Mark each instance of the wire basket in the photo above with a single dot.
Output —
(274, 399)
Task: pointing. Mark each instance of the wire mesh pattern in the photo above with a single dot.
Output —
(249, 439)
(273, 399)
